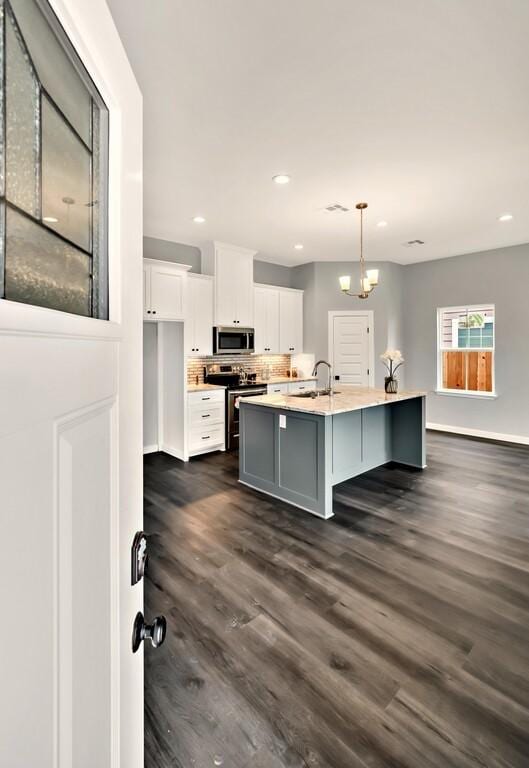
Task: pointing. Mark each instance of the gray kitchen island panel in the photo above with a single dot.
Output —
(287, 463)
(300, 461)
(259, 460)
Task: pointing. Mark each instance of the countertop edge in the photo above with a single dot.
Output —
(280, 405)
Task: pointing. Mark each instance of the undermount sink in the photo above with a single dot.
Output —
(315, 393)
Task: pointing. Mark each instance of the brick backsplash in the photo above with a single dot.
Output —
(278, 364)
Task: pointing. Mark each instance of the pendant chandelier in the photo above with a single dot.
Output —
(368, 278)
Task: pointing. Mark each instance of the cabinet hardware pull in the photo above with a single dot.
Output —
(205, 398)
(206, 415)
(206, 437)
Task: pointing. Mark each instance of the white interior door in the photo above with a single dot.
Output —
(350, 348)
(71, 477)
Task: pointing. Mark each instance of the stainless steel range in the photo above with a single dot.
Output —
(239, 383)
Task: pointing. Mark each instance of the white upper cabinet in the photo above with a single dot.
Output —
(199, 325)
(266, 302)
(290, 321)
(164, 290)
(234, 294)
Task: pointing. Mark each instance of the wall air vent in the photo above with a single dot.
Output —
(411, 243)
(336, 208)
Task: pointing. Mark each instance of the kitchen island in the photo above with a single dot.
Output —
(297, 448)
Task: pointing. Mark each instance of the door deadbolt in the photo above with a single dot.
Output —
(154, 632)
(138, 557)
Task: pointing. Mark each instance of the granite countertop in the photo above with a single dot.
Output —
(347, 399)
(203, 387)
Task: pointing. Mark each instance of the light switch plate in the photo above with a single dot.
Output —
(282, 421)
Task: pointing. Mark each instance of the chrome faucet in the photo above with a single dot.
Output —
(315, 373)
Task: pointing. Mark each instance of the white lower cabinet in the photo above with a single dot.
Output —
(277, 389)
(291, 387)
(206, 413)
(295, 387)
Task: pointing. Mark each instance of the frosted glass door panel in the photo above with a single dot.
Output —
(66, 197)
(54, 67)
(41, 269)
(22, 116)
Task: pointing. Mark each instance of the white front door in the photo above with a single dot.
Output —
(70, 477)
(350, 348)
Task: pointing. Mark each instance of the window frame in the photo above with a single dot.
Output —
(99, 245)
(440, 390)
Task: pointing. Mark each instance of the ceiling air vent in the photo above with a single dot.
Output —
(336, 207)
(411, 243)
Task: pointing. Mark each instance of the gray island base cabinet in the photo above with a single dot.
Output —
(298, 456)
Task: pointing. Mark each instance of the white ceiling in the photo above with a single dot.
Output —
(421, 108)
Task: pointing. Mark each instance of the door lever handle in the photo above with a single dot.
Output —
(154, 632)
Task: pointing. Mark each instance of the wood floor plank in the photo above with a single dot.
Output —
(392, 636)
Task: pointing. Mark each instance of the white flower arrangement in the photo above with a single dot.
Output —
(392, 359)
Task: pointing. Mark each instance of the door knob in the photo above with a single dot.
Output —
(154, 632)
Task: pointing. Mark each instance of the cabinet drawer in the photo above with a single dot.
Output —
(206, 438)
(205, 413)
(206, 396)
(277, 389)
(301, 386)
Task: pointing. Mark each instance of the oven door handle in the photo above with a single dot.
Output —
(238, 392)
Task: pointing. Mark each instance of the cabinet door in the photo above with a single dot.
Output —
(291, 322)
(260, 320)
(147, 292)
(245, 292)
(202, 311)
(272, 321)
(167, 293)
(227, 285)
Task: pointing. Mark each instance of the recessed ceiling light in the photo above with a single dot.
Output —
(299, 246)
(505, 217)
(50, 219)
(382, 224)
(281, 178)
(199, 219)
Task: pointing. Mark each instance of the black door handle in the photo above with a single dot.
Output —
(154, 632)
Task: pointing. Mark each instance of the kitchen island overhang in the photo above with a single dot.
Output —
(296, 450)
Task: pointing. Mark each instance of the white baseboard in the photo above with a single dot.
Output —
(150, 449)
(520, 439)
(175, 452)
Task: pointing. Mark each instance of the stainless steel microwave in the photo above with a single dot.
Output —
(233, 341)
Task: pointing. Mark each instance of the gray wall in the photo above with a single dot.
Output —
(153, 248)
(319, 280)
(272, 274)
(500, 277)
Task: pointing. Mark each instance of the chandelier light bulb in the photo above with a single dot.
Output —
(345, 282)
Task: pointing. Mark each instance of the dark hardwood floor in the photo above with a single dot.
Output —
(395, 634)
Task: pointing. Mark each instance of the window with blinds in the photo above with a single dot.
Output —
(466, 339)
